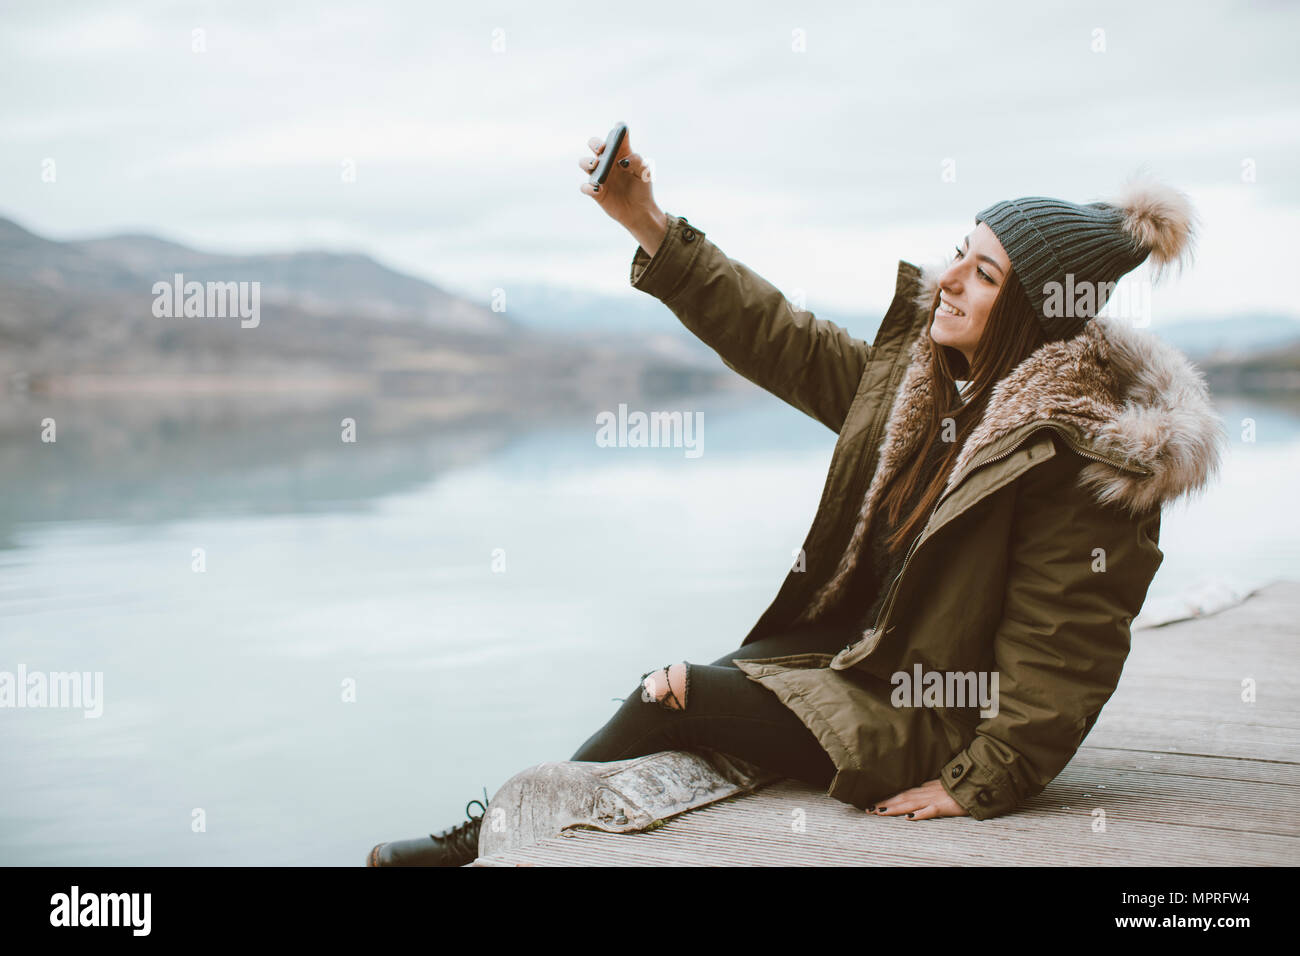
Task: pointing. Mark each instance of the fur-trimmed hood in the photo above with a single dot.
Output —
(1123, 394)
(1133, 397)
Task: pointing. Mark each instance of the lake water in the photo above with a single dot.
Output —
(370, 565)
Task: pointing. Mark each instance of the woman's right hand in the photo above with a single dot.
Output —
(626, 195)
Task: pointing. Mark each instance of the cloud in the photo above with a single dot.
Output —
(465, 125)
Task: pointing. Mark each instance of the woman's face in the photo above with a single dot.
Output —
(967, 289)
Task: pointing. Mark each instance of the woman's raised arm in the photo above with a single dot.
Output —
(811, 363)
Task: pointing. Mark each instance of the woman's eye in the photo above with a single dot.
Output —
(982, 274)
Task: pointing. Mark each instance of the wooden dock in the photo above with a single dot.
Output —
(1179, 770)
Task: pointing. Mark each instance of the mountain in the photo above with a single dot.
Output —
(1251, 336)
(1268, 371)
(82, 317)
(545, 305)
(604, 319)
(316, 281)
(1243, 334)
(599, 316)
(1247, 354)
(29, 259)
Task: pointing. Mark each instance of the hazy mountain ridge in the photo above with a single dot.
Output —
(77, 318)
(313, 280)
(1265, 371)
(1251, 337)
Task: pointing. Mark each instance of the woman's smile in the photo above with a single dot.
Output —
(976, 274)
(946, 306)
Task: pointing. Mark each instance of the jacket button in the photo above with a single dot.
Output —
(983, 798)
(688, 234)
(956, 771)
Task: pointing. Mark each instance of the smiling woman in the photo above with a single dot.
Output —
(968, 290)
(1043, 490)
(983, 326)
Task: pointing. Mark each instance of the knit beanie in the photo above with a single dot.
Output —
(1068, 256)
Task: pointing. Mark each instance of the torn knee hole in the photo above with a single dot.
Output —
(667, 686)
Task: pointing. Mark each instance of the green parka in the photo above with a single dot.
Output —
(1033, 563)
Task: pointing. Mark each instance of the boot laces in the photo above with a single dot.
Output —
(463, 837)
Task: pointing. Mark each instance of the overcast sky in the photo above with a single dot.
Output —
(820, 168)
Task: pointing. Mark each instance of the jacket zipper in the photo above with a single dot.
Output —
(889, 603)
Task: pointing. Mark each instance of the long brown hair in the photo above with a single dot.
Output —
(1011, 335)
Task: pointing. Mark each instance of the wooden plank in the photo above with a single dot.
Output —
(759, 831)
(1209, 768)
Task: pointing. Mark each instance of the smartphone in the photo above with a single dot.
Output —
(613, 143)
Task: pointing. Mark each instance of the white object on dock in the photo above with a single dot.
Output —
(618, 797)
(1200, 600)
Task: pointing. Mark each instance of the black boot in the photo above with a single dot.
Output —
(455, 846)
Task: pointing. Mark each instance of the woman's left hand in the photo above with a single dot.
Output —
(920, 803)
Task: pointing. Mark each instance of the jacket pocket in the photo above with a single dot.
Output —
(858, 650)
(764, 666)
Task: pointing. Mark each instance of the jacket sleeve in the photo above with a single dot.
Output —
(1063, 637)
(811, 363)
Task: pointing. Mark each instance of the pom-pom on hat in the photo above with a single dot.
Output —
(1090, 247)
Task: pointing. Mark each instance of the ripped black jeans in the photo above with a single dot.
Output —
(725, 711)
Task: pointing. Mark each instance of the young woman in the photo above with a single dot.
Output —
(1001, 536)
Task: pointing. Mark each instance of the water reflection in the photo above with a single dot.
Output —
(370, 566)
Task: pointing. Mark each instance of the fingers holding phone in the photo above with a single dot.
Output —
(609, 153)
(633, 163)
(619, 179)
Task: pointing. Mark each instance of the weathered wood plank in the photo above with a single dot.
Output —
(1210, 768)
(759, 830)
